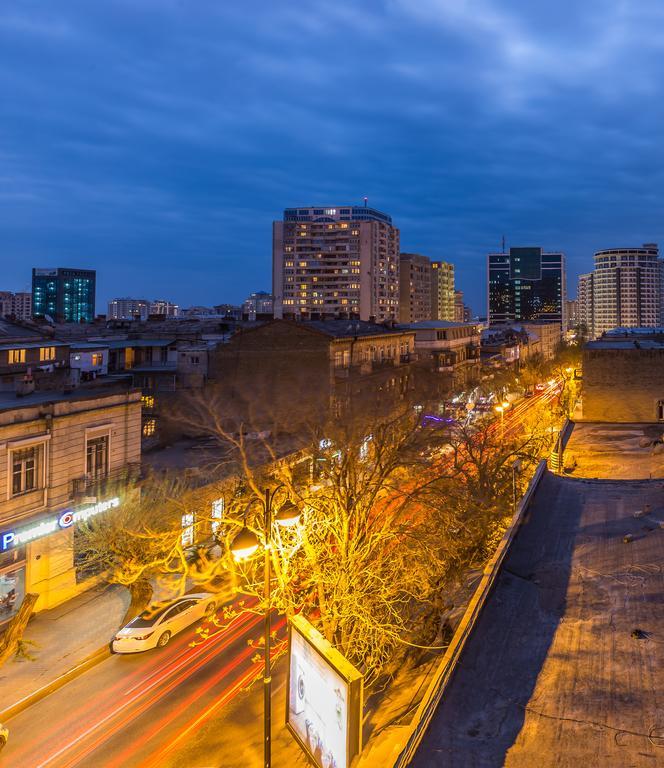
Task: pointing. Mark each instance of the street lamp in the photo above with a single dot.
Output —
(501, 410)
(243, 546)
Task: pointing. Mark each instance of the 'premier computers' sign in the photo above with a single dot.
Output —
(17, 537)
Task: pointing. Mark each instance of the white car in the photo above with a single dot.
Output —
(157, 625)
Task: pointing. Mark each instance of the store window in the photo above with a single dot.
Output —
(26, 466)
(12, 582)
(96, 457)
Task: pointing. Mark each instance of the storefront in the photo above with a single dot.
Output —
(40, 556)
(12, 582)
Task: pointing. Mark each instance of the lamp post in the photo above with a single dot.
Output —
(243, 546)
(501, 410)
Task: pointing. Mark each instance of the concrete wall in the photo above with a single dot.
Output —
(622, 385)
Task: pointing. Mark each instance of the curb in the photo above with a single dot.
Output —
(41, 693)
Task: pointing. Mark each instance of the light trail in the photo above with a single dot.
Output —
(185, 664)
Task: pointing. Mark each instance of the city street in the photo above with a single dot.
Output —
(139, 709)
(147, 708)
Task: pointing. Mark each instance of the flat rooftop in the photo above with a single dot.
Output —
(617, 451)
(553, 674)
(103, 387)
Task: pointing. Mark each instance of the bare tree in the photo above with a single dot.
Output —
(140, 541)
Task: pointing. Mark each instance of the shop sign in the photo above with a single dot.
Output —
(15, 538)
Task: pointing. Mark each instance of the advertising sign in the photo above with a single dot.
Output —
(324, 707)
(17, 536)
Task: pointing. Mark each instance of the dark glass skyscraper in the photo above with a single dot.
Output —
(526, 284)
(66, 295)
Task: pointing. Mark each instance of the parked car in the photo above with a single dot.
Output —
(156, 626)
(4, 735)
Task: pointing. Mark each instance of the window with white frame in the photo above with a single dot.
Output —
(217, 515)
(96, 457)
(187, 536)
(27, 469)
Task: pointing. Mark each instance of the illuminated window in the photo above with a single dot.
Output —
(16, 356)
(97, 359)
(45, 353)
(187, 536)
(217, 514)
(149, 427)
(147, 401)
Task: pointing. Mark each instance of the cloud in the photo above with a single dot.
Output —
(161, 136)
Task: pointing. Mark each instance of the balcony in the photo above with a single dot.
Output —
(99, 487)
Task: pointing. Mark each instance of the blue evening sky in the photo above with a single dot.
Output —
(156, 140)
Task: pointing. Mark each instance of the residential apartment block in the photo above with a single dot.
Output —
(337, 261)
(442, 291)
(414, 288)
(16, 305)
(128, 309)
(623, 291)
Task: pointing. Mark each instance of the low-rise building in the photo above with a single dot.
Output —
(285, 374)
(623, 376)
(448, 350)
(64, 457)
(128, 309)
(548, 334)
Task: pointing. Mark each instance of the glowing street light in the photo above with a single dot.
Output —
(243, 546)
(501, 410)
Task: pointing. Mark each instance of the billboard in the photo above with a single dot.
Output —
(324, 706)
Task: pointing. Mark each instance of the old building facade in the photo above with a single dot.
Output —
(63, 459)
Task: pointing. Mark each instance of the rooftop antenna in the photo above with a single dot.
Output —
(366, 200)
(503, 244)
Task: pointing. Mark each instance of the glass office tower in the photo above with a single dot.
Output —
(526, 284)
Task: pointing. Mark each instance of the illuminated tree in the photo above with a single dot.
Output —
(139, 542)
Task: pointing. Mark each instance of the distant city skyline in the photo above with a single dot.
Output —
(162, 166)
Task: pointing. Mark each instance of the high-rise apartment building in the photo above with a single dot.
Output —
(526, 284)
(18, 305)
(67, 295)
(414, 288)
(627, 289)
(442, 290)
(335, 261)
(585, 304)
(165, 308)
(128, 309)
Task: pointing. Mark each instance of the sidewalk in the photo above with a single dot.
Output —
(63, 637)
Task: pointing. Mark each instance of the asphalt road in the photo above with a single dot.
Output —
(139, 709)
